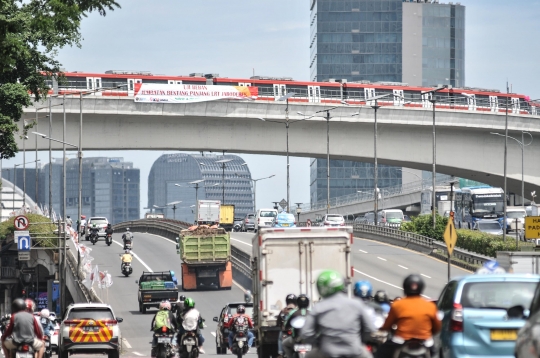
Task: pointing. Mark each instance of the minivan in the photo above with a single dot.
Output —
(265, 218)
(390, 216)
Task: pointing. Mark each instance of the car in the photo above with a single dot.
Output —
(265, 218)
(285, 219)
(333, 220)
(249, 222)
(368, 218)
(528, 338)
(390, 216)
(90, 328)
(101, 223)
(237, 224)
(488, 226)
(475, 322)
(222, 333)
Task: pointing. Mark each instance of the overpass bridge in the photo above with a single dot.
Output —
(465, 147)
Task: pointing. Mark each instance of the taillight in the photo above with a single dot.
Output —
(164, 329)
(456, 322)
(342, 224)
(55, 333)
(240, 334)
(25, 348)
(247, 221)
(258, 220)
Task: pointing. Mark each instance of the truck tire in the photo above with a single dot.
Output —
(143, 309)
(140, 307)
(62, 353)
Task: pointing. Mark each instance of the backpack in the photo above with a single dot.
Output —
(162, 320)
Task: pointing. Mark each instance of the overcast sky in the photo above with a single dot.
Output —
(237, 38)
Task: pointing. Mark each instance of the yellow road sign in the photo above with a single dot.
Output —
(532, 227)
(450, 236)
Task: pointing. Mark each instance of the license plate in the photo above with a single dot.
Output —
(189, 342)
(241, 339)
(163, 339)
(503, 334)
(24, 355)
(302, 347)
(91, 329)
(284, 224)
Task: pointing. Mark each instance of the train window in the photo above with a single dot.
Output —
(173, 82)
(494, 103)
(399, 99)
(244, 84)
(130, 85)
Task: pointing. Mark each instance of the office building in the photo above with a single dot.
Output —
(420, 43)
(169, 178)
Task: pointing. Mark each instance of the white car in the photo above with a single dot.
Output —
(90, 328)
(265, 218)
(333, 220)
(101, 223)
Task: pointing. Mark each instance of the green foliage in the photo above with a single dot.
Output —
(423, 225)
(31, 33)
(41, 227)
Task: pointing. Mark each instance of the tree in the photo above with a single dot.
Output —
(31, 33)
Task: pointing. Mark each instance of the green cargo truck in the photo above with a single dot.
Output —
(206, 258)
(155, 287)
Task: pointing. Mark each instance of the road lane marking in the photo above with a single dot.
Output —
(126, 343)
(380, 258)
(403, 267)
(213, 333)
(425, 275)
(135, 256)
(138, 354)
(240, 241)
(387, 283)
(365, 252)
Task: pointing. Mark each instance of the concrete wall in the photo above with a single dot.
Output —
(412, 43)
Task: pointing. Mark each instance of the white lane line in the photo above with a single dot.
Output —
(425, 275)
(240, 241)
(403, 267)
(126, 343)
(365, 252)
(135, 256)
(380, 258)
(387, 283)
(138, 354)
(213, 333)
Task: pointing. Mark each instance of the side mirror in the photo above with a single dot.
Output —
(137, 282)
(119, 320)
(248, 296)
(518, 312)
(215, 319)
(177, 240)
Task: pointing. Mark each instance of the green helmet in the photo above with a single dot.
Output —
(189, 303)
(329, 282)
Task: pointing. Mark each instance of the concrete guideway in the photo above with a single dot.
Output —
(464, 146)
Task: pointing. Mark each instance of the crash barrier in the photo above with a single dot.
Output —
(76, 282)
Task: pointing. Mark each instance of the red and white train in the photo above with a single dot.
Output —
(272, 88)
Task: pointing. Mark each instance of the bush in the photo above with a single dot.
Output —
(40, 227)
(423, 225)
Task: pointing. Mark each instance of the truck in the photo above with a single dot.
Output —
(519, 261)
(288, 261)
(206, 258)
(208, 212)
(155, 287)
(226, 216)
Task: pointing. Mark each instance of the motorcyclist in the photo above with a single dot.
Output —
(127, 237)
(381, 298)
(180, 309)
(302, 303)
(240, 316)
(191, 320)
(364, 291)
(412, 317)
(23, 328)
(46, 324)
(94, 230)
(290, 302)
(339, 324)
(69, 222)
(109, 230)
(82, 225)
(164, 317)
(126, 258)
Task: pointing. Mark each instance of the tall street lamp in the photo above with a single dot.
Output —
(196, 183)
(287, 123)
(254, 181)
(222, 164)
(174, 207)
(522, 145)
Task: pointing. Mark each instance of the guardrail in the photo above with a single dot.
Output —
(89, 294)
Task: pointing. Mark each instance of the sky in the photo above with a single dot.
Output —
(239, 38)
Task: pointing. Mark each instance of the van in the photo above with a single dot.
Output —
(265, 218)
(390, 216)
(513, 214)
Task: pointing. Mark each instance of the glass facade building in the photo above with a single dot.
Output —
(183, 168)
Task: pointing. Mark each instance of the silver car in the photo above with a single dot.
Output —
(333, 220)
(489, 226)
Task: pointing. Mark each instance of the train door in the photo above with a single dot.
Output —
(399, 99)
(314, 94)
(279, 91)
(494, 103)
(93, 83)
(369, 93)
(131, 85)
(471, 102)
(515, 105)
(426, 97)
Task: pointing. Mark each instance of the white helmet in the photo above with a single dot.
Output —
(45, 313)
(165, 305)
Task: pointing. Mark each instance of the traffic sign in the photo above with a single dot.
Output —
(532, 227)
(21, 222)
(450, 236)
(283, 204)
(24, 241)
(24, 255)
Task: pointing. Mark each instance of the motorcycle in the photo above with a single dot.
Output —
(93, 238)
(413, 348)
(240, 340)
(300, 349)
(127, 269)
(237, 228)
(189, 345)
(48, 350)
(164, 348)
(108, 239)
(128, 245)
(24, 350)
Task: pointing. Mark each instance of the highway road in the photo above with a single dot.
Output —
(157, 254)
(385, 266)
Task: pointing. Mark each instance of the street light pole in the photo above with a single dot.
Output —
(79, 206)
(50, 159)
(327, 162)
(505, 159)
(375, 164)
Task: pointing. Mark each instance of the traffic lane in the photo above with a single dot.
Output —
(395, 263)
(243, 241)
(157, 254)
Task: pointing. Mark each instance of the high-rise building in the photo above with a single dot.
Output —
(417, 42)
(171, 174)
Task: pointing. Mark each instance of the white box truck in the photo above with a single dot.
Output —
(208, 212)
(288, 261)
(519, 261)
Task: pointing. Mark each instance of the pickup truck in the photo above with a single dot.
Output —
(155, 287)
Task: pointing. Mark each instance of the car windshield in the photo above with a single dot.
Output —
(157, 277)
(98, 221)
(249, 310)
(501, 294)
(285, 217)
(334, 218)
(90, 313)
(515, 214)
(268, 214)
(394, 215)
(489, 226)
(250, 216)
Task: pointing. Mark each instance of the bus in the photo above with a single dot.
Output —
(477, 203)
(442, 194)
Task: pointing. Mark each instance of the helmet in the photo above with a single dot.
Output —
(290, 299)
(381, 297)
(302, 301)
(165, 305)
(182, 298)
(329, 282)
(45, 313)
(363, 289)
(127, 229)
(189, 303)
(69, 217)
(413, 285)
(94, 225)
(240, 309)
(127, 251)
(18, 305)
(30, 305)
(172, 273)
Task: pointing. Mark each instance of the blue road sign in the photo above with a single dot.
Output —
(24, 241)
